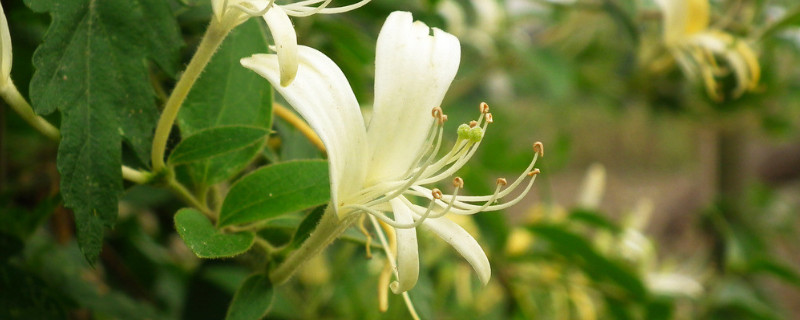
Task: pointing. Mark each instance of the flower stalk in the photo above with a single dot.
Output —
(329, 228)
(298, 123)
(212, 39)
(14, 99)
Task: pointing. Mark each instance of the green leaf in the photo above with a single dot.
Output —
(206, 241)
(306, 226)
(27, 297)
(593, 218)
(275, 190)
(216, 142)
(582, 253)
(23, 222)
(227, 94)
(63, 269)
(789, 19)
(91, 67)
(252, 300)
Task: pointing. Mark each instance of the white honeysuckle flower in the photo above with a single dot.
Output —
(231, 13)
(674, 284)
(382, 169)
(695, 47)
(5, 50)
(593, 187)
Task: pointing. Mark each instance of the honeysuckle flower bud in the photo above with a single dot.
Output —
(695, 47)
(231, 13)
(5, 50)
(379, 170)
(593, 187)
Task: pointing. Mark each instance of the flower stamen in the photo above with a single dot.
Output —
(538, 147)
(251, 11)
(303, 8)
(484, 107)
(363, 229)
(389, 248)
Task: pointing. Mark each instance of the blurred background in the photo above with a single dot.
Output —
(669, 189)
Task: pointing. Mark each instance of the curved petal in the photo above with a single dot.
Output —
(407, 251)
(218, 7)
(412, 73)
(697, 16)
(738, 55)
(285, 42)
(322, 96)
(464, 243)
(5, 49)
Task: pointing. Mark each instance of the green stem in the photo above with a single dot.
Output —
(136, 176)
(211, 41)
(189, 198)
(329, 228)
(15, 100)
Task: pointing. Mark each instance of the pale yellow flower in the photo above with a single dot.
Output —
(696, 48)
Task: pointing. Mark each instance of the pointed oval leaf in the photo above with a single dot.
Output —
(275, 190)
(206, 241)
(216, 142)
(252, 300)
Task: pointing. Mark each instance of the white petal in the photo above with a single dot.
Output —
(674, 17)
(285, 42)
(464, 243)
(217, 6)
(322, 96)
(5, 49)
(407, 251)
(723, 44)
(412, 73)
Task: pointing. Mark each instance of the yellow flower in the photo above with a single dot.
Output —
(696, 48)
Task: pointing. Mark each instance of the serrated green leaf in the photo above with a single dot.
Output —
(92, 68)
(275, 190)
(228, 94)
(216, 142)
(252, 300)
(206, 241)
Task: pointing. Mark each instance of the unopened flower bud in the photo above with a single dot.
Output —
(5, 50)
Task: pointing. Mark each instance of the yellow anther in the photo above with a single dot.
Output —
(538, 147)
(534, 172)
(437, 112)
(436, 193)
(458, 182)
(473, 123)
(501, 181)
(439, 115)
(484, 107)
(489, 118)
